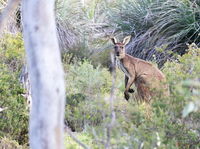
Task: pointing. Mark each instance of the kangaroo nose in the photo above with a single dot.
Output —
(117, 53)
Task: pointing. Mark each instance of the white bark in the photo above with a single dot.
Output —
(46, 74)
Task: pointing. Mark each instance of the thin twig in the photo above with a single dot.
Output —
(8, 10)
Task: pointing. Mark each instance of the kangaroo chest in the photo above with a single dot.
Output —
(122, 67)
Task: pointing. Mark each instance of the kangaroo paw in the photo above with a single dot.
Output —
(126, 96)
(131, 90)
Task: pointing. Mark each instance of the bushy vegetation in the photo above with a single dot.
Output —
(86, 87)
(159, 125)
(160, 29)
(13, 120)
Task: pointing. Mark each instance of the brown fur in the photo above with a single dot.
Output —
(146, 77)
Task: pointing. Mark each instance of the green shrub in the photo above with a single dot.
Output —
(14, 120)
(84, 78)
(86, 89)
(163, 128)
(12, 51)
(179, 73)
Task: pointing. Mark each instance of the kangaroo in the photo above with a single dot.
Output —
(143, 74)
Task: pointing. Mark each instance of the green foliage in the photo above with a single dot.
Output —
(183, 78)
(12, 51)
(87, 79)
(83, 137)
(14, 120)
(86, 88)
(159, 125)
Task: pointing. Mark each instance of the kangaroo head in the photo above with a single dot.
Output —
(119, 47)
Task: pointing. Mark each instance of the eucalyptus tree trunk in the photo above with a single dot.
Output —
(46, 74)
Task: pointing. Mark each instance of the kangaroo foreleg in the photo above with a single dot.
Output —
(128, 85)
(126, 81)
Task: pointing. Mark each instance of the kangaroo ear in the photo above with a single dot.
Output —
(126, 40)
(114, 40)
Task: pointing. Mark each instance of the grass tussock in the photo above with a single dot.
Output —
(158, 24)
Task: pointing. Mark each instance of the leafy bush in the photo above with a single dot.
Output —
(159, 125)
(179, 74)
(12, 51)
(14, 120)
(86, 88)
(84, 78)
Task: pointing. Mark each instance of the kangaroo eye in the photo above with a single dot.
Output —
(121, 47)
(116, 47)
